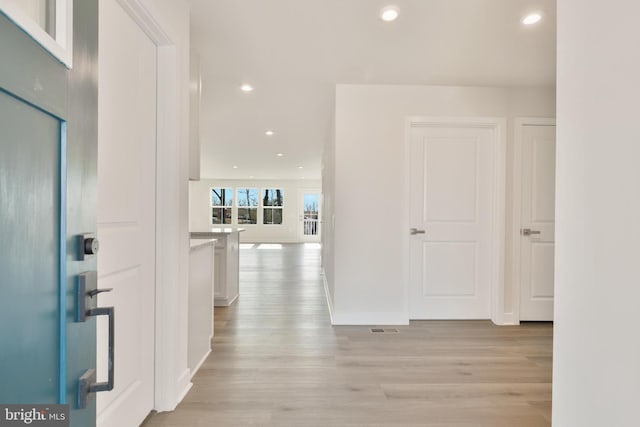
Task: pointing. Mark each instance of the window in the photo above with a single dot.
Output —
(221, 202)
(272, 206)
(48, 22)
(247, 200)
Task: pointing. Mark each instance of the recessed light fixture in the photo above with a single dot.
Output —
(389, 13)
(269, 132)
(279, 154)
(235, 167)
(300, 167)
(532, 18)
(246, 88)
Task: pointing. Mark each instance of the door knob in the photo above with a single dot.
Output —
(414, 231)
(528, 232)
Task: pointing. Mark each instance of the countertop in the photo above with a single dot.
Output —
(216, 230)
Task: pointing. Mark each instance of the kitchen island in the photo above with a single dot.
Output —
(227, 262)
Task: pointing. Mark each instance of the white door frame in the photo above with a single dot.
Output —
(170, 386)
(518, 128)
(498, 126)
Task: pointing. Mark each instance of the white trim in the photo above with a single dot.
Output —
(62, 46)
(327, 295)
(184, 385)
(224, 302)
(145, 20)
(369, 318)
(498, 126)
(518, 125)
(200, 363)
(171, 383)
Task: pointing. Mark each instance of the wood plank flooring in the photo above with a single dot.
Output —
(277, 361)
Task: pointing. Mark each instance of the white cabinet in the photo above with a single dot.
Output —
(227, 260)
(201, 283)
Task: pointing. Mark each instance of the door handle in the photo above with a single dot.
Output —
(414, 231)
(529, 232)
(87, 306)
(87, 384)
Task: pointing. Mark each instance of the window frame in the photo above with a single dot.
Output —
(60, 46)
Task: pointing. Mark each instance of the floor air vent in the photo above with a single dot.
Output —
(384, 330)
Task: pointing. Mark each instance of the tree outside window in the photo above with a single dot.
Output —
(247, 200)
(221, 205)
(272, 203)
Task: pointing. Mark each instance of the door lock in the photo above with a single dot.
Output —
(414, 231)
(88, 245)
(528, 232)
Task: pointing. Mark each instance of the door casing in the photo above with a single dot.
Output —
(171, 382)
(498, 125)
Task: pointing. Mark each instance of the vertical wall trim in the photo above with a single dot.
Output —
(62, 279)
(170, 382)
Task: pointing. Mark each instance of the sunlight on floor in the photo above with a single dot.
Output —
(270, 246)
(312, 246)
(246, 245)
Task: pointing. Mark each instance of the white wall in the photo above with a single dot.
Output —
(287, 232)
(596, 360)
(195, 98)
(368, 283)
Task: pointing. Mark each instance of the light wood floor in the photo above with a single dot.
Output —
(277, 361)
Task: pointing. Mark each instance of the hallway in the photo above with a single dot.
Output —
(277, 361)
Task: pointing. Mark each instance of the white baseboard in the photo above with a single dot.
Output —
(507, 319)
(224, 302)
(184, 383)
(370, 319)
(197, 367)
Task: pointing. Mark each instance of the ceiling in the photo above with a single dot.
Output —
(294, 52)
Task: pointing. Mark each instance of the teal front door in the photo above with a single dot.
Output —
(48, 140)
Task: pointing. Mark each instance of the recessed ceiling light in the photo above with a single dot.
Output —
(246, 88)
(532, 18)
(235, 167)
(269, 132)
(389, 13)
(300, 167)
(279, 154)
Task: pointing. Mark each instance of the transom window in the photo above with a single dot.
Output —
(221, 205)
(272, 202)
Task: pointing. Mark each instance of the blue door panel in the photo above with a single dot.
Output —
(29, 253)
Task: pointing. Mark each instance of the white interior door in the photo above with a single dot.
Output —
(126, 212)
(309, 216)
(451, 190)
(537, 220)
